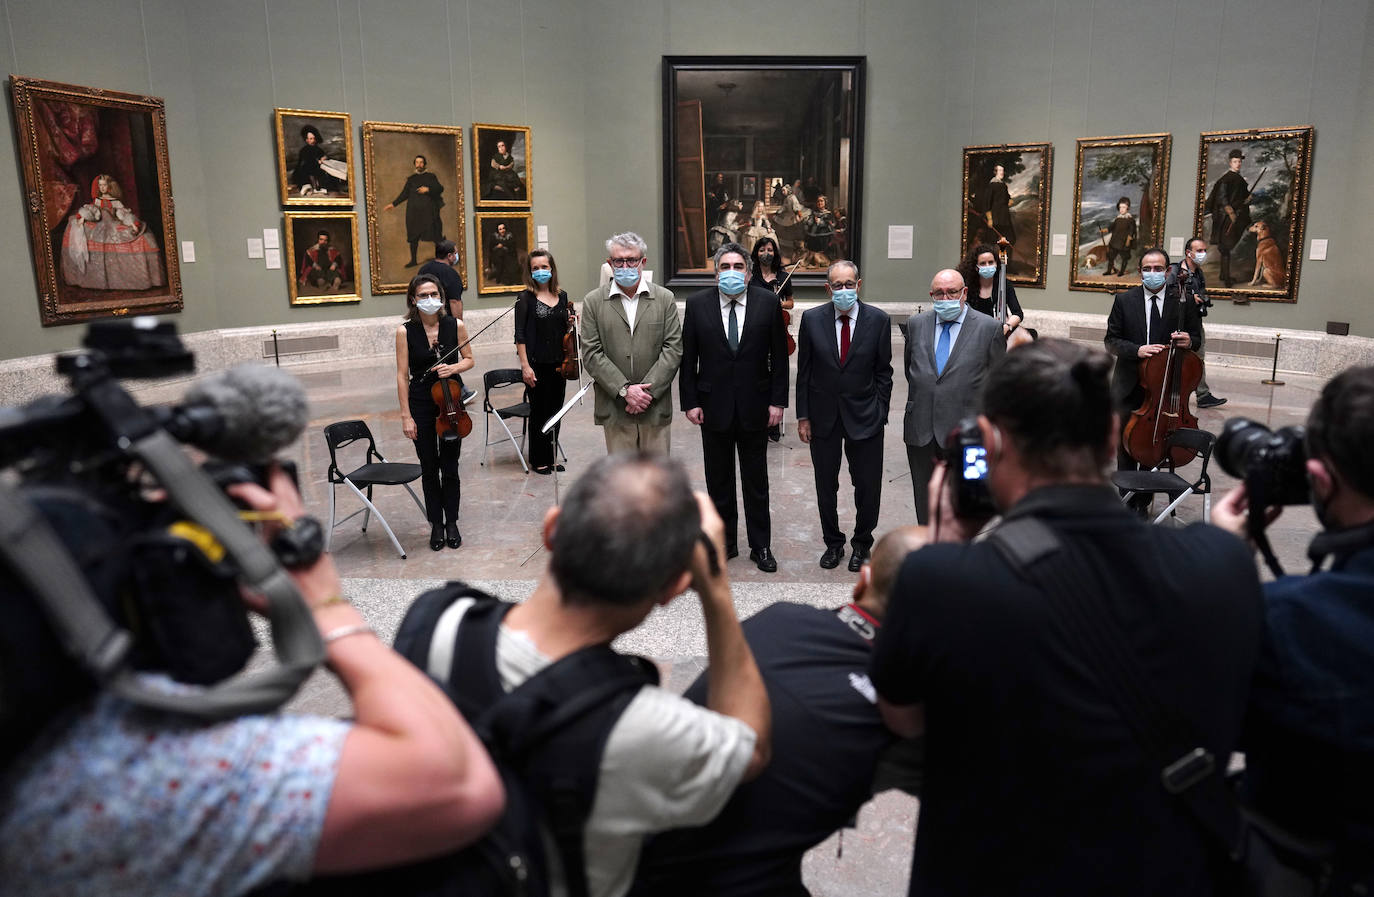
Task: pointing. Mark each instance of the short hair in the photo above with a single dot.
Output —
(1052, 399)
(627, 240)
(322, 233)
(1195, 238)
(847, 263)
(444, 248)
(627, 530)
(421, 156)
(727, 248)
(1340, 427)
(1124, 199)
(529, 271)
(1154, 250)
(888, 554)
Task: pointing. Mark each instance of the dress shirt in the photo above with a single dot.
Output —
(956, 325)
(853, 320)
(739, 311)
(630, 303)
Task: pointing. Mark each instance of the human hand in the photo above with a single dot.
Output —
(774, 415)
(638, 398)
(408, 427)
(1147, 351)
(388, 207)
(446, 370)
(945, 525)
(695, 416)
(423, 190)
(317, 582)
(1181, 339)
(804, 430)
(527, 374)
(708, 582)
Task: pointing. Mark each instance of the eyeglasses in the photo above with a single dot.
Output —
(946, 294)
(625, 263)
(847, 285)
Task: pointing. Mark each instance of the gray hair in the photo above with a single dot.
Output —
(627, 240)
(726, 249)
(846, 263)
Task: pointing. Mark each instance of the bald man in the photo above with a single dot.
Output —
(948, 353)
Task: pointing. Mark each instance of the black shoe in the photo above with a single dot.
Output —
(468, 394)
(436, 537)
(764, 560)
(412, 263)
(832, 557)
(856, 560)
(731, 552)
(455, 538)
(1210, 401)
(545, 470)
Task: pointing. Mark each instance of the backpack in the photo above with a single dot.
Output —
(546, 738)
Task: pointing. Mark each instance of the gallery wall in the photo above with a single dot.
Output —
(586, 76)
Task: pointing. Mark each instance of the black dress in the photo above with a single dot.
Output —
(758, 281)
(540, 328)
(978, 303)
(438, 458)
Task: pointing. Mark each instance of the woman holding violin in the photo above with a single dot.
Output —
(982, 270)
(770, 275)
(545, 340)
(431, 404)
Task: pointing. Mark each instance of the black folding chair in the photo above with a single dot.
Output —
(375, 471)
(1168, 482)
(502, 378)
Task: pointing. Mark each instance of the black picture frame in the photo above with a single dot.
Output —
(815, 104)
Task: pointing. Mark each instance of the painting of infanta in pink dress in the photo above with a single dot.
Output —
(107, 247)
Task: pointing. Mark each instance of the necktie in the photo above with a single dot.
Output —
(942, 347)
(844, 338)
(1156, 322)
(732, 333)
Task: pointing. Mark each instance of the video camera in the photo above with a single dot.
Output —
(118, 554)
(1273, 466)
(968, 471)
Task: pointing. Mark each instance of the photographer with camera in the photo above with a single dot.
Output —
(1309, 735)
(1039, 779)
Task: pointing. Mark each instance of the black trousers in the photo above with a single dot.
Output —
(718, 450)
(865, 472)
(920, 460)
(546, 397)
(438, 463)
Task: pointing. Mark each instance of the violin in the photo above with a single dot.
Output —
(452, 417)
(569, 368)
(1018, 336)
(1169, 379)
(787, 315)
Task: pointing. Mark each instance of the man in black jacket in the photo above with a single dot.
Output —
(423, 195)
(733, 382)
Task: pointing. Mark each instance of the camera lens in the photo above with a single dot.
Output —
(1238, 444)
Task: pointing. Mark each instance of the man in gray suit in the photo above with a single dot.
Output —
(949, 351)
(631, 347)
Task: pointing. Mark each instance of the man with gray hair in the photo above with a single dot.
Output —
(631, 347)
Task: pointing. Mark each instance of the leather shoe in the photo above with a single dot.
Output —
(1210, 401)
(455, 538)
(856, 560)
(436, 537)
(832, 557)
(731, 552)
(763, 558)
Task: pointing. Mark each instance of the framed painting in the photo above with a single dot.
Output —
(98, 189)
(1120, 188)
(502, 166)
(1007, 194)
(1252, 209)
(314, 157)
(322, 257)
(414, 199)
(504, 239)
(798, 120)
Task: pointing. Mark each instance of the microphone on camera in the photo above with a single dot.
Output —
(244, 415)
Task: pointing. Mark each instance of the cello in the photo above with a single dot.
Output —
(787, 315)
(1018, 336)
(1169, 379)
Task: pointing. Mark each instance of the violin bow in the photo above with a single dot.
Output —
(459, 347)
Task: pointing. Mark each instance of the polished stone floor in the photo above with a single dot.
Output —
(502, 508)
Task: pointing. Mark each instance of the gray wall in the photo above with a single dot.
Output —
(586, 77)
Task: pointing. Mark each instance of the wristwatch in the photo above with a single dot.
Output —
(624, 391)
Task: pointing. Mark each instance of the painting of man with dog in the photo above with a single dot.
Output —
(1252, 210)
(1007, 196)
(1120, 188)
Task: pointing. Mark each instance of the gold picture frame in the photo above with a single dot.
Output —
(1108, 170)
(1254, 247)
(497, 271)
(1019, 208)
(389, 153)
(322, 181)
(312, 285)
(100, 210)
(496, 186)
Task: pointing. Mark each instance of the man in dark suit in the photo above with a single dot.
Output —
(949, 351)
(1142, 322)
(1229, 206)
(733, 382)
(844, 389)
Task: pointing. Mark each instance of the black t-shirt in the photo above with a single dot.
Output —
(1033, 782)
(827, 735)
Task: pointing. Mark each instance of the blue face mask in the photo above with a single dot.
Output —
(1153, 280)
(544, 275)
(732, 282)
(986, 271)
(627, 277)
(948, 309)
(844, 299)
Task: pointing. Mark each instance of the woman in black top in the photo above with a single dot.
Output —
(542, 313)
(980, 270)
(430, 332)
(770, 275)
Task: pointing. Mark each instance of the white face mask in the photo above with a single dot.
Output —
(1200, 257)
(430, 305)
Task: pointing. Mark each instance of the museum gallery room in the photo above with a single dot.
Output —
(267, 178)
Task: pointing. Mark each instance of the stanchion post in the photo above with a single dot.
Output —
(1274, 376)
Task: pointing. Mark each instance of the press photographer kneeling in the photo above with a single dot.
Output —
(1309, 735)
(136, 758)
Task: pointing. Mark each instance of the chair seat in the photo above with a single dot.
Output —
(521, 410)
(385, 474)
(1151, 481)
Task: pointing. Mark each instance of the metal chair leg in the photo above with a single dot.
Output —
(511, 436)
(373, 509)
(419, 504)
(1173, 504)
(329, 533)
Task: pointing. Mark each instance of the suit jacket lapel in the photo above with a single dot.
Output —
(965, 333)
(925, 338)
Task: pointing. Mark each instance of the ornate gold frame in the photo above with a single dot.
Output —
(478, 171)
(458, 203)
(290, 266)
(53, 307)
(283, 188)
(1300, 172)
(1159, 195)
(484, 288)
(1042, 224)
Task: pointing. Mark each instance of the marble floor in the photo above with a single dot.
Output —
(502, 508)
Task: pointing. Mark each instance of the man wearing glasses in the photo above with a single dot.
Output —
(844, 389)
(631, 348)
(948, 354)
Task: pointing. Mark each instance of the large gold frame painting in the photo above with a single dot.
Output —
(314, 157)
(322, 273)
(1120, 188)
(501, 254)
(410, 208)
(98, 193)
(502, 180)
(1006, 193)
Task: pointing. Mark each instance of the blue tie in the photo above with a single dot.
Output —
(942, 348)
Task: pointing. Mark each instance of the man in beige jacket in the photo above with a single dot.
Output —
(631, 346)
